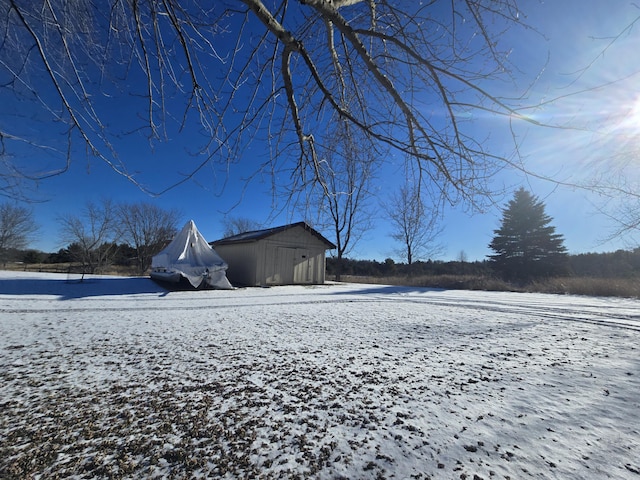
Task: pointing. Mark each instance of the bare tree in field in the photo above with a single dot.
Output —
(17, 228)
(414, 225)
(92, 235)
(147, 228)
(237, 225)
(345, 174)
(243, 70)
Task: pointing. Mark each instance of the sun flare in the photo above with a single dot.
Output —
(632, 119)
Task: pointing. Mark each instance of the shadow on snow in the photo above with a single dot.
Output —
(76, 288)
(390, 290)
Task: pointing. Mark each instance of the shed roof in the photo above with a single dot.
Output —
(256, 235)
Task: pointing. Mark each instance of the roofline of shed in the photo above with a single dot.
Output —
(255, 235)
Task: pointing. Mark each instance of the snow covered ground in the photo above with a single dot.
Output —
(116, 377)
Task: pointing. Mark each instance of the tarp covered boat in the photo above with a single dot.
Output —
(189, 260)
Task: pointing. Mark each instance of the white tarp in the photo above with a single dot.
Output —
(190, 256)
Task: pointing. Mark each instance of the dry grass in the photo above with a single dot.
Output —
(449, 282)
(597, 287)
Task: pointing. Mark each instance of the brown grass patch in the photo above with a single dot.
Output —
(596, 287)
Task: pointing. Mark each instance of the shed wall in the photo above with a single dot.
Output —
(293, 256)
(241, 259)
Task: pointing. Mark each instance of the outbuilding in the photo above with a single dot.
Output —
(285, 255)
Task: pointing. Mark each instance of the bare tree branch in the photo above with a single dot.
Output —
(146, 228)
(233, 72)
(17, 228)
(93, 235)
(414, 225)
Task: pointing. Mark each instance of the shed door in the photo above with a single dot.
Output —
(280, 263)
(286, 261)
(288, 265)
(303, 267)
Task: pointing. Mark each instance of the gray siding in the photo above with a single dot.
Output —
(241, 259)
(293, 256)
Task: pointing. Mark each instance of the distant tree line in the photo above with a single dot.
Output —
(526, 248)
(526, 245)
(98, 236)
(120, 254)
(388, 268)
(618, 264)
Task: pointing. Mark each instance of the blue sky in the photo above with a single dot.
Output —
(572, 34)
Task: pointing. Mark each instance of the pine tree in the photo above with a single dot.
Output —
(526, 245)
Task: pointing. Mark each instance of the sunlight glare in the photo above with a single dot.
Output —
(632, 120)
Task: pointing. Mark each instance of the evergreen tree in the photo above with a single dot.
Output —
(526, 245)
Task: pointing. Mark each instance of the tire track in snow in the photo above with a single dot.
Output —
(597, 317)
(559, 312)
